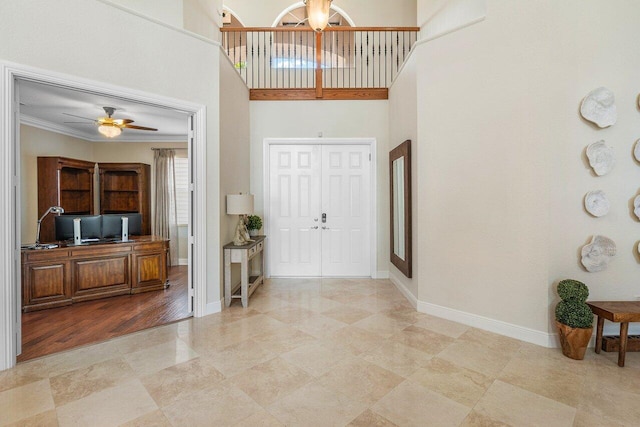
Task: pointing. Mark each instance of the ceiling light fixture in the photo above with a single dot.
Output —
(318, 13)
(109, 131)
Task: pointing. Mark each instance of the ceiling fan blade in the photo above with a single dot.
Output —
(121, 122)
(138, 127)
(80, 117)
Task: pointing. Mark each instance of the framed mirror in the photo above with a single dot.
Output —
(400, 202)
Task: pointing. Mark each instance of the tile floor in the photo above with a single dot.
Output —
(320, 353)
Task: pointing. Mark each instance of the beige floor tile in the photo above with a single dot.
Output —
(260, 419)
(291, 314)
(547, 380)
(452, 381)
(315, 303)
(397, 358)
(320, 326)
(514, 405)
(370, 419)
(347, 314)
(442, 326)
(271, 380)
(152, 419)
(354, 339)
(240, 357)
(109, 407)
(405, 314)
(475, 419)
(379, 304)
(80, 383)
(158, 357)
(147, 338)
(23, 374)
(220, 405)
(283, 340)
(316, 406)
(382, 325)
(586, 419)
(410, 404)
(360, 380)
(44, 419)
(316, 358)
(422, 339)
(493, 341)
(176, 382)
(476, 357)
(25, 402)
(82, 357)
(605, 401)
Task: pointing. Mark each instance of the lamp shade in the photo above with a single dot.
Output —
(109, 131)
(318, 13)
(239, 204)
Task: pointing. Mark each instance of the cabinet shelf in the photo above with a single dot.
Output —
(125, 188)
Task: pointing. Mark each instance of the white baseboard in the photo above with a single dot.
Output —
(497, 326)
(183, 261)
(213, 308)
(403, 289)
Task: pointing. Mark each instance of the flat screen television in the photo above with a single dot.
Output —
(112, 225)
(90, 227)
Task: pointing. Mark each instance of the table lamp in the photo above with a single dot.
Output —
(240, 204)
(54, 209)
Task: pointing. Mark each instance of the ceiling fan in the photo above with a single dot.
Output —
(110, 127)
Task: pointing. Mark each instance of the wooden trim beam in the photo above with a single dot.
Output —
(318, 65)
(365, 94)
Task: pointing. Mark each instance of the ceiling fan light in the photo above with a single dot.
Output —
(109, 131)
(318, 13)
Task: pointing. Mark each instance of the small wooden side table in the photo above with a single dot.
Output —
(615, 311)
(243, 254)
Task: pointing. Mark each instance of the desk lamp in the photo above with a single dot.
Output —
(240, 204)
(54, 209)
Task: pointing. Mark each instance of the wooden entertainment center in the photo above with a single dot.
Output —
(67, 274)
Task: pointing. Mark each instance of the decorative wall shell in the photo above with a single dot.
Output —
(599, 107)
(597, 203)
(601, 157)
(597, 254)
(636, 206)
(636, 150)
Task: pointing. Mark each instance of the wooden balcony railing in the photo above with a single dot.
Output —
(339, 63)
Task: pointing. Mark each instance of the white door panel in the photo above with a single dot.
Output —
(306, 181)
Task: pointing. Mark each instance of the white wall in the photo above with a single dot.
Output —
(167, 11)
(502, 172)
(234, 153)
(382, 13)
(335, 119)
(403, 125)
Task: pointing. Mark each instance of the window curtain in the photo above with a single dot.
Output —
(165, 218)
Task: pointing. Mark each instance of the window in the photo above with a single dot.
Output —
(181, 166)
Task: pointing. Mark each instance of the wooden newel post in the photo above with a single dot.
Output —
(318, 65)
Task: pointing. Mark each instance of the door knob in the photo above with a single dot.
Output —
(314, 228)
(325, 227)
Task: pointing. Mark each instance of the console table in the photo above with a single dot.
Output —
(615, 311)
(67, 274)
(248, 282)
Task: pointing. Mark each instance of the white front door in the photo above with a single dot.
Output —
(320, 210)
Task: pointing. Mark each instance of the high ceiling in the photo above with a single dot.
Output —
(73, 112)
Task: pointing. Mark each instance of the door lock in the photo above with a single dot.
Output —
(314, 228)
(325, 228)
(324, 218)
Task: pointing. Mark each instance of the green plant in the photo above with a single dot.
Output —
(573, 310)
(254, 222)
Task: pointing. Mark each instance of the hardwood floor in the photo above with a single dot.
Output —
(57, 329)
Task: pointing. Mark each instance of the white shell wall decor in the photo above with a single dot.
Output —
(636, 150)
(597, 254)
(636, 206)
(599, 107)
(601, 157)
(596, 203)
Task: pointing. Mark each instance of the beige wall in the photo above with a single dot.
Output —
(363, 12)
(403, 125)
(162, 61)
(335, 119)
(36, 142)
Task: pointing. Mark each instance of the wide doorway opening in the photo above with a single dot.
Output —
(71, 293)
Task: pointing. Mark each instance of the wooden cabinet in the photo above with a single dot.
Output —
(126, 188)
(63, 182)
(68, 274)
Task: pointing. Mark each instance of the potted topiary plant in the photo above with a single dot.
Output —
(254, 224)
(574, 318)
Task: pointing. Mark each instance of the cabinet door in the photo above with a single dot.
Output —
(46, 285)
(101, 277)
(149, 271)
